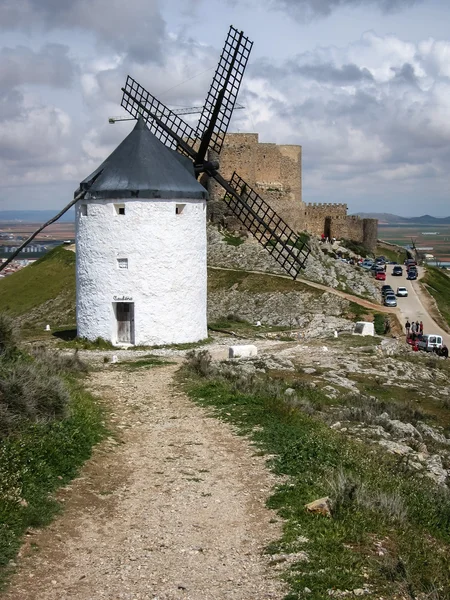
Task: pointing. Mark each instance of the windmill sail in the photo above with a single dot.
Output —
(287, 248)
(138, 102)
(228, 77)
(260, 219)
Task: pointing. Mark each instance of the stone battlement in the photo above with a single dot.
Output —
(275, 172)
(327, 205)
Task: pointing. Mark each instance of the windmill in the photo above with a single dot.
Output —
(207, 140)
(141, 218)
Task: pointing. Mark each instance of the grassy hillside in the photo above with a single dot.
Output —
(438, 284)
(43, 292)
(255, 283)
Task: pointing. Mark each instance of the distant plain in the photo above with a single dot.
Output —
(434, 237)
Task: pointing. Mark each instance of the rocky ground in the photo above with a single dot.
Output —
(320, 267)
(375, 390)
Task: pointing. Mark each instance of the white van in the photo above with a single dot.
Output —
(429, 342)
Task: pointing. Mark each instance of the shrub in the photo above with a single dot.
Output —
(29, 392)
(9, 336)
(199, 361)
(378, 322)
(347, 489)
(59, 362)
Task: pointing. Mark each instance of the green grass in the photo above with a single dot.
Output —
(255, 283)
(232, 240)
(391, 254)
(355, 247)
(438, 284)
(38, 460)
(357, 311)
(44, 289)
(82, 343)
(375, 501)
(235, 324)
(144, 362)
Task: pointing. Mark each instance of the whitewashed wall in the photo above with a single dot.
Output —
(166, 276)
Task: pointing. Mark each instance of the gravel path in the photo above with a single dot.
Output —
(173, 507)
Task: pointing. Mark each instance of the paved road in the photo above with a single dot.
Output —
(411, 308)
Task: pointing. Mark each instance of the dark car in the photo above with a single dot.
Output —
(397, 270)
(386, 289)
(411, 275)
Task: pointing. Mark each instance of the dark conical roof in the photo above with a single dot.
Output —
(142, 167)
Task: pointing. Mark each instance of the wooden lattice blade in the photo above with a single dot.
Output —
(288, 249)
(168, 126)
(228, 77)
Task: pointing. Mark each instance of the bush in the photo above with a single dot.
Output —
(28, 392)
(199, 361)
(59, 362)
(355, 247)
(378, 322)
(9, 336)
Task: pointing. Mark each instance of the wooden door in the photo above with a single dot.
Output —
(125, 322)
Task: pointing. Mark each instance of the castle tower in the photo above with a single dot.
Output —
(141, 247)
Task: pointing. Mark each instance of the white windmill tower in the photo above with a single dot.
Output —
(141, 247)
(141, 219)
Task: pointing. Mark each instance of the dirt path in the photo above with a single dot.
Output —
(174, 509)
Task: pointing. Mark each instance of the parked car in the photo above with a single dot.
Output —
(380, 276)
(385, 289)
(367, 263)
(430, 342)
(411, 275)
(402, 292)
(390, 300)
(410, 262)
(397, 270)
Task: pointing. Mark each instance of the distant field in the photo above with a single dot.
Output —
(14, 234)
(435, 237)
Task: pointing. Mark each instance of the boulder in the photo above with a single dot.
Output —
(322, 506)
(395, 447)
(243, 351)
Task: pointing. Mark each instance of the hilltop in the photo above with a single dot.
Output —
(44, 292)
(389, 218)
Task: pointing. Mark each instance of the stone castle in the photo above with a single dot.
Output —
(275, 172)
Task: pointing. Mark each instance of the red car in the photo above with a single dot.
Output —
(380, 276)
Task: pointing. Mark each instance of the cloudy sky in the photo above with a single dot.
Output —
(362, 85)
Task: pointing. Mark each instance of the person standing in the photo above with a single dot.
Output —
(407, 327)
(417, 327)
(413, 327)
(421, 328)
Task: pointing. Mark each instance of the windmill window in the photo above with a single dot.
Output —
(179, 208)
(122, 263)
(83, 210)
(120, 209)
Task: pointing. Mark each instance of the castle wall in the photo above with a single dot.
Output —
(317, 214)
(275, 172)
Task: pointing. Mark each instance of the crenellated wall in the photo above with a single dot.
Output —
(275, 172)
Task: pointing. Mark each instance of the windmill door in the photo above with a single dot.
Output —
(125, 322)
